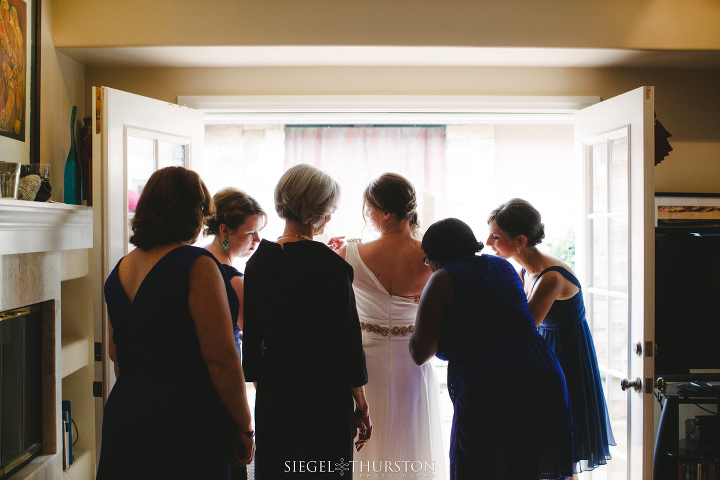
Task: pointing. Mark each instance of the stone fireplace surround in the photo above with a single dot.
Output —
(42, 244)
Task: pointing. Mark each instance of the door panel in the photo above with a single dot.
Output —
(615, 260)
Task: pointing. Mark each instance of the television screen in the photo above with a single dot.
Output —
(687, 301)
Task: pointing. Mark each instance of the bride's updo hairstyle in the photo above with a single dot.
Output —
(306, 194)
(448, 240)
(393, 193)
(517, 217)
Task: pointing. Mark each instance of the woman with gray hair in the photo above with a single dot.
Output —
(302, 342)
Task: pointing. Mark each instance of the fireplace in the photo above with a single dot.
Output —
(43, 252)
(21, 387)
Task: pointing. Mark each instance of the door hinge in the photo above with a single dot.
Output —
(649, 350)
(98, 352)
(97, 389)
(98, 110)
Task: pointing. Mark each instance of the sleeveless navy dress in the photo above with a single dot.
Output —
(163, 418)
(512, 418)
(232, 272)
(568, 334)
(236, 472)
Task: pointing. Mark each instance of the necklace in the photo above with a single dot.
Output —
(304, 237)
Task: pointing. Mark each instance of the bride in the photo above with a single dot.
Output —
(390, 275)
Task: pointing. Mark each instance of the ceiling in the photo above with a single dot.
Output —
(345, 56)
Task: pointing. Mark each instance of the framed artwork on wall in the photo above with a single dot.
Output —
(19, 80)
(687, 209)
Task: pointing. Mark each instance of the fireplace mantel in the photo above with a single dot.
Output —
(32, 227)
(41, 245)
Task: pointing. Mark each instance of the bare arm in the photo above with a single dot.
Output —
(434, 301)
(547, 289)
(211, 313)
(112, 351)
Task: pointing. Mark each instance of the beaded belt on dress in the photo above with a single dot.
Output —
(374, 328)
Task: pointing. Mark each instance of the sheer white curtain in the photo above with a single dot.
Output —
(354, 155)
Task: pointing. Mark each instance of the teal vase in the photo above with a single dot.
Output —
(73, 169)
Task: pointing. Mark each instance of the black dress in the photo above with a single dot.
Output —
(163, 418)
(236, 472)
(303, 346)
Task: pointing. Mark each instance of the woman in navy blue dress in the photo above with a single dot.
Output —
(235, 227)
(512, 417)
(178, 408)
(556, 303)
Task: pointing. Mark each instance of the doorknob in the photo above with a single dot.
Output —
(634, 384)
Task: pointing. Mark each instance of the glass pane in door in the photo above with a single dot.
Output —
(619, 335)
(617, 402)
(171, 154)
(598, 227)
(619, 174)
(620, 256)
(140, 165)
(140, 162)
(599, 315)
(599, 178)
(608, 277)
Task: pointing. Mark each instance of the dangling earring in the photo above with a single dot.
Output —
(518, 251)
(226, 244)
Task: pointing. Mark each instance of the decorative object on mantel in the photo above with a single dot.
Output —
(662, 146)
(85, 143)
(35, 182)
(28, 187)
(9, 179)
(73, 170)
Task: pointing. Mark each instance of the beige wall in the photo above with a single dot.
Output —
(61, 87)
(687, 102)
(639, 24)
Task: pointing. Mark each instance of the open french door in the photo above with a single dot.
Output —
(615, 261)
(132, 136)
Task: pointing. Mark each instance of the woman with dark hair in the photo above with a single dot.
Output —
(302, 341)
(512, 416)
(389, 278)
(178, 408)
(556, 303)
(236, 227)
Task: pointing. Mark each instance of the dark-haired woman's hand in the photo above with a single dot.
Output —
(243, 448)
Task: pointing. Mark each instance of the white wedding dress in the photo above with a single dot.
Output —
(404, 398)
